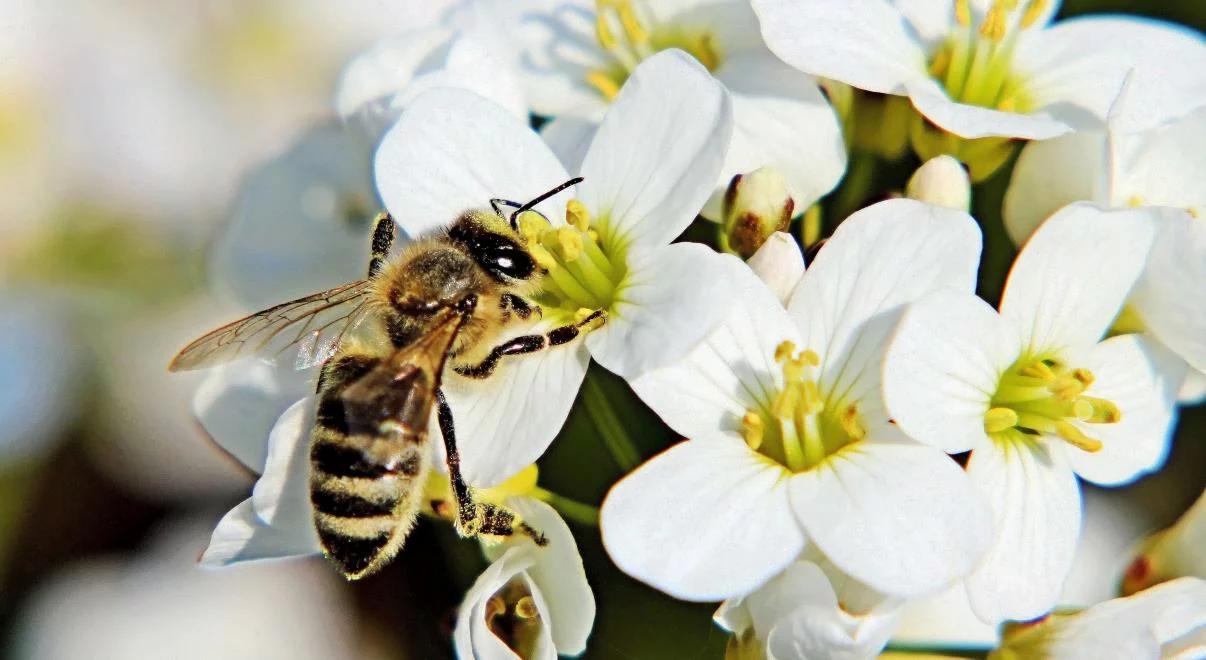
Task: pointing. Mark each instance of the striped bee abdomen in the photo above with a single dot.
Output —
(367, 466)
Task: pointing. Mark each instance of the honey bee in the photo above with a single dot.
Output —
(384, 343)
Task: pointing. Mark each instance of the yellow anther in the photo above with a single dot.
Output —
(751, 430)
(785, 403)
(993, 27)
(1082, 410)
(963, 12)
(851, 423)
(525, 608)
(576, 215)
(1075, 438)
(1134, 201)
(811, 402)
(1193, 212)
(999, 419)
(592, 235)
(941, 62)
(1066, 387)
(496, 606)
(604, 83)
(1038, 369)
(809, 358)
(1008, 104)
(570, 242)
(636, 32)
(543, 257)
(531, 225)
(603, 26)
(706, 53)
(1084, 376)
(1033, 11)
(784, 351)
(1103, 411)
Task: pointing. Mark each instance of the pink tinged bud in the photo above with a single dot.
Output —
(756, 205)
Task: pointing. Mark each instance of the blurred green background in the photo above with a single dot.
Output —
(124, 129)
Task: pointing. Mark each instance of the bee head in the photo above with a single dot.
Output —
(494, 244)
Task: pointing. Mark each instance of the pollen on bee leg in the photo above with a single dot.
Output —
(751, 429)
(999, 419)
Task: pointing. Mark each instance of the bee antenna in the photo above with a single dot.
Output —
(527, 207)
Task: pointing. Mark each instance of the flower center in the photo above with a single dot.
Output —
(1045, 396)
(974, 64)
(582, 275)
(624, 35)
(802, 430)
(512, 616)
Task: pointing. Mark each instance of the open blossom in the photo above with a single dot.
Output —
(1162, 167)
(531, 602)
(575, 55)
(980, 68)
(1037, 396)
(649, 169)
(790, 446)
(1166, 621)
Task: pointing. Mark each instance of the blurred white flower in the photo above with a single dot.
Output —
(1170, 553)
(531, 602)
(1162, 167)
(574, 56)
(1165, 621)
(810, 610)
(1036, 396)
(942, 181)
(984, 68)
(158, 604)
(648, 171)
(789, 442)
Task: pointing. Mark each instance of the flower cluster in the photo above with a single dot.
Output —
(860, 431)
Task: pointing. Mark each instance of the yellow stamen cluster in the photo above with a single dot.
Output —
(803, 430)
(1045, 396)
(974, 64)
(581, 277)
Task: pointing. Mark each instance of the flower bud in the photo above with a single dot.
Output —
(941, 181)
(1171, 553)
(756, 205)
(779, 263)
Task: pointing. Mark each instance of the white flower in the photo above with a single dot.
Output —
(1036, 397)
(531, 602)
(575, 55)
(649, 169)
(1162, 167)
(779, 264)
(1166, 621)
(810, 610)
(789, 442)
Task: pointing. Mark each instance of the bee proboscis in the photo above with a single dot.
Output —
(384, 343)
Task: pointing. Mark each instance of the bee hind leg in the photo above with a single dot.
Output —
(531, 344)
(475, 518)
(383, 239)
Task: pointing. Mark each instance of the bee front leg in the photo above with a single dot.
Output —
(474, 518)
(531, 343)
(510, 303)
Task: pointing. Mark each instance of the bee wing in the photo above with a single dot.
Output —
(402, 388)
(313, 325)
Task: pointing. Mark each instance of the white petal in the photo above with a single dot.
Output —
(817, 631)
(943, 366)
(1142, 378)
(301, 222)
(284, 488)
(730, 373)
(559, 575)
(569, 138)
(657, 155)
(894, 514)
(779, 264)
(671, 298)
(973, 121)
(239, 403)
(1193, 390)
(1036, 507)
(1050, 174)
(1161, 167)
(469, 65)
(1083, 62)
(732, 25)
(779, 115)
(1069, 282)
(506, 421)
(472, 636)
(704, 520)
(453, 150)
(385, 69)
(864, 43)
(1168, 296)
(878, 259)
(241, 536)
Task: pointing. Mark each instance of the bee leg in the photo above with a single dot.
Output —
(510, 302)
(530, 344)
(383, 239)
(474, 518)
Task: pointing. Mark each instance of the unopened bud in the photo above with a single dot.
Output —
(779, 264)
(941, 181)
(756, 205)
(1170, 553)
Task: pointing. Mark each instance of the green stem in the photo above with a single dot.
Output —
(569, 509)
(607, 423)
(857, 184)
